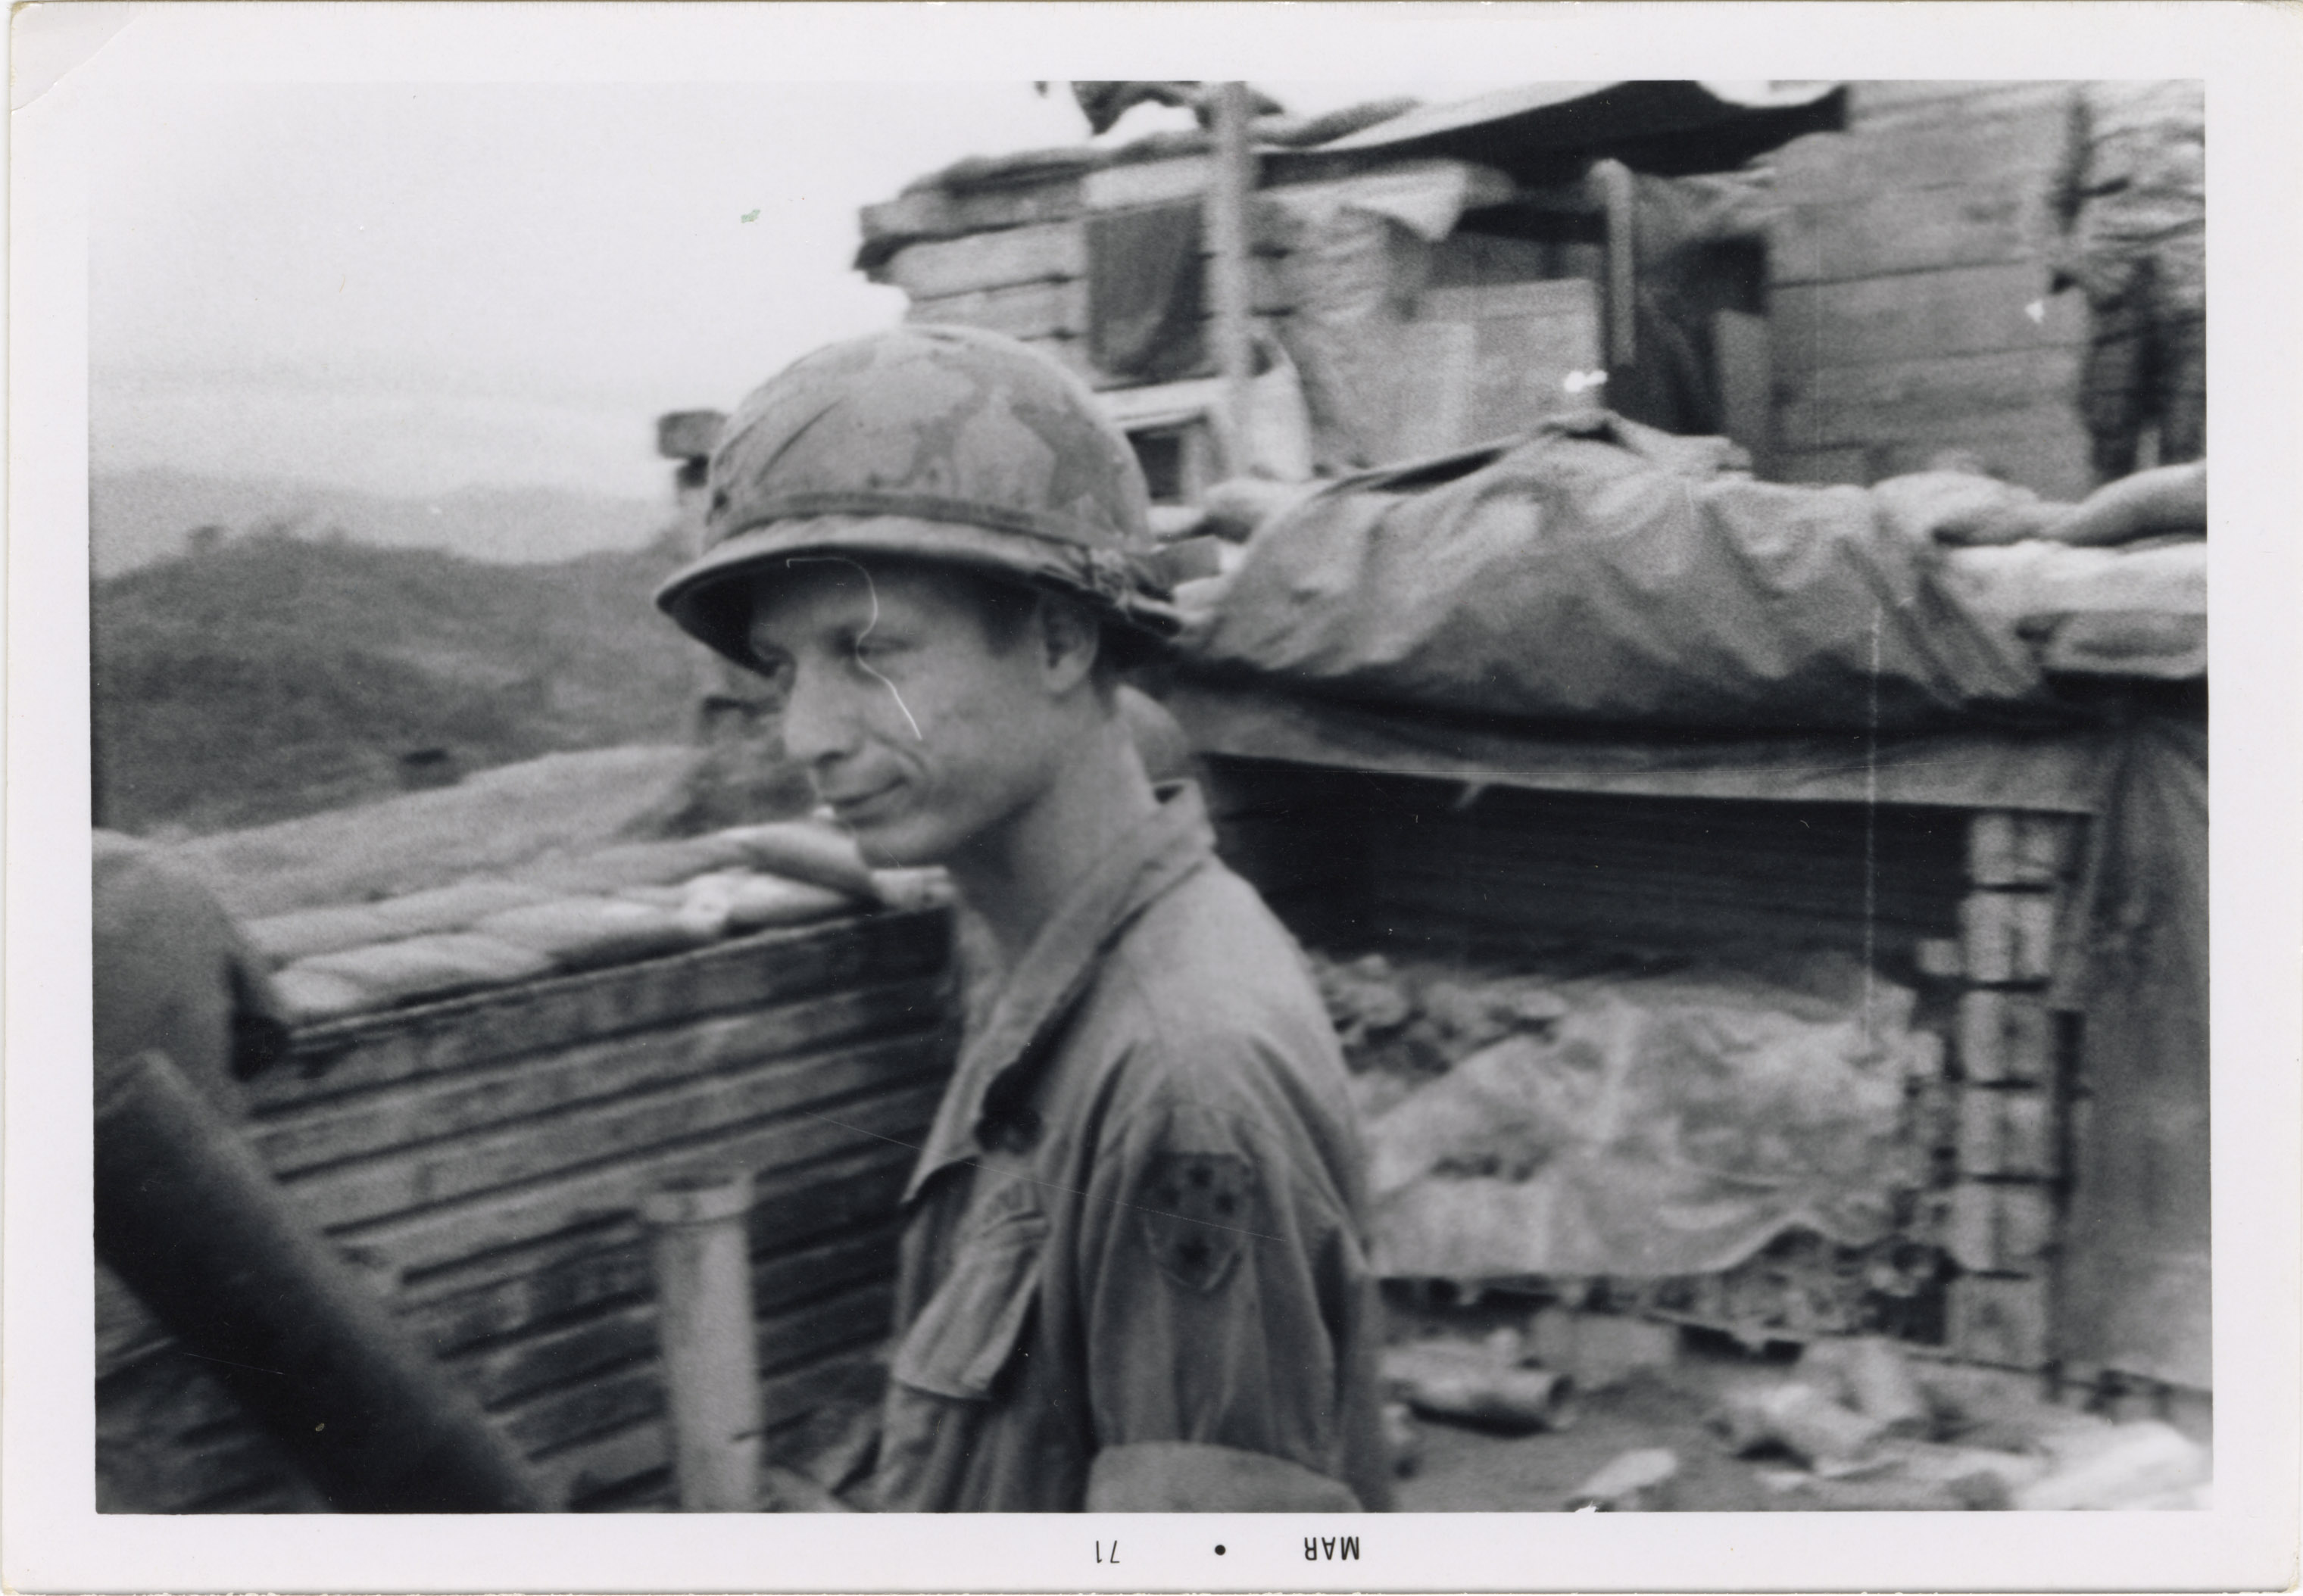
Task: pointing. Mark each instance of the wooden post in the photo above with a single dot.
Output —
(1620, 195)
(1227, 239)
(703, 1320)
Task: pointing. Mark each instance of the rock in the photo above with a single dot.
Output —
(1635, 1482)
(1441, 1380)
(1801, 1419)
(2130, 1464)
(1402, 1440)
(1599, 1350)
(1868, 1375)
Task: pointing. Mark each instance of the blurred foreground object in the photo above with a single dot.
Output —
(191, 1218)
(173, 973)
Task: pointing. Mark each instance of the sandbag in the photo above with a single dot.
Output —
(1604, 573)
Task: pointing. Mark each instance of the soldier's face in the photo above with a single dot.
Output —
(923, 732)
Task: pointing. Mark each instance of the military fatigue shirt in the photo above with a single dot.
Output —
(1134, 1275)
(2131, 186)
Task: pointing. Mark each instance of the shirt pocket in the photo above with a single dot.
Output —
(971, 1326)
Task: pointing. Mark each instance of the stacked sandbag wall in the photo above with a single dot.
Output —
(1909, 312)
(484, 1155)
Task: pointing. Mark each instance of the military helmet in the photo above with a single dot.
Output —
(941, 443)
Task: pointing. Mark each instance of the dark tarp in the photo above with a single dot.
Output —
(1143, 292)
(1668, 126)
(2136, 1266)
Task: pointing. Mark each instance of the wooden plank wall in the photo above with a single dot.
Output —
(1909, 308)
(485, 1158)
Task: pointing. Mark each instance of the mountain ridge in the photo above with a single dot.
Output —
(145, 514)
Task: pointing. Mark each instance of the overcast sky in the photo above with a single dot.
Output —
(407, 288)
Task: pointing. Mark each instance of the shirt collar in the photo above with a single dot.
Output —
(1063, 958)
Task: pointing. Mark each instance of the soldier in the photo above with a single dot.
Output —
(1134, 1275)
(2128, 200)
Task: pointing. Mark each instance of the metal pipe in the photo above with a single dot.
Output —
(190, 1217)
(1227, 237)
(702, 1252)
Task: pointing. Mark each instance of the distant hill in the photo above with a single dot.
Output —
(138, 516)
(273, 675)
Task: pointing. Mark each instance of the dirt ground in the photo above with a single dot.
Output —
(1982, 1417)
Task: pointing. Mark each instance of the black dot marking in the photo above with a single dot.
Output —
(1219, 1551)
(1226, 1203)
(1200, 1175)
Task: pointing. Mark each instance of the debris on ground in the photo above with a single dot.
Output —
(1868, 1375)
(1491, 1382)
(2141, 1464)
(1637, 1482)
(1600, 1350)
(1403, 1439)
(1795, 1417)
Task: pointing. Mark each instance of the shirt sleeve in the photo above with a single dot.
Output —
(1225, 1290)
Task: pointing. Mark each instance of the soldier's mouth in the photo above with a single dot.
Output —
(853, 807)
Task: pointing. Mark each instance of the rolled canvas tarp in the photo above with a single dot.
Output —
(1602, 573)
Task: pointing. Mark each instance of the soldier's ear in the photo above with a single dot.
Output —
(1070, 639)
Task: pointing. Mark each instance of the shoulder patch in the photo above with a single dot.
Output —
(1197, 1211)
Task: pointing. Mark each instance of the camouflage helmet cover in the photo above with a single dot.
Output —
(941, 443)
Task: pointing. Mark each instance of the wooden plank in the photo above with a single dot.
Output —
(1571, 300)
(507, 1370)
(2006, 1038)
(2041, 447)
(600, 1466)
(1745, 356)
(1061, 309)
(1025, 310)
(1071, 354)
(2019, 142)
(125, 1328)
(1052, 252)
(572, 1273)
(601, 1403)
(1907, 230)
(1819, 467)
(461, 1167)
(1146, 182)
(521, 1089)
(457, 1230)
(772, 967)
(1958, 310)
(1863, 404)
(600, 1463)
(927, 213)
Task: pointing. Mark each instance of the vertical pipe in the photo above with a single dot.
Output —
(1227, 228)
(704, 1318)
(1617, 190)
